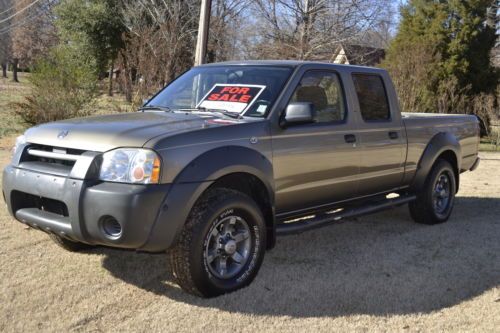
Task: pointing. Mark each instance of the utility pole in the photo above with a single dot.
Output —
(201, 45)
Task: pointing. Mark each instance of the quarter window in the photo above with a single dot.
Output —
(372, 97)
(324, 91)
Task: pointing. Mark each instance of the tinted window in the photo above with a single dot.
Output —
(372, 97)
(324, 91)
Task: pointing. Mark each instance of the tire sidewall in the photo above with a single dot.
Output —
(441, 167)
(236, 205)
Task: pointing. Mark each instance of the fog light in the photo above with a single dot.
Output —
(110, 227)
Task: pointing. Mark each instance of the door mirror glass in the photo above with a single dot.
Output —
(299, 113)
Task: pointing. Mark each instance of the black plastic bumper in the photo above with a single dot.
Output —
(75, 209)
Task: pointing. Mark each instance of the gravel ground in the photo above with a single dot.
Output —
(376, 273)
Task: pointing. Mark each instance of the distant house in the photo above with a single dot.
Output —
(349, 54)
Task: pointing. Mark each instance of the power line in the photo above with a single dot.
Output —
(20, 11)
(7, 10)
(22, 22)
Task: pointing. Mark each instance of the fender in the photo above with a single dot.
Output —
(441, 142)
(222, 161)
(197, 177)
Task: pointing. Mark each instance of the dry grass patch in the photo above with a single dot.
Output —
(375, 273)
(11, 92)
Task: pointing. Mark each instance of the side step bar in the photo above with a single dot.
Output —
(324, 219)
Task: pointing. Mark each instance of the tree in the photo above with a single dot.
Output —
(63, 85)
(160, 41)
(96, 26)
(225, 26)
(311, 29)
(5, 45)
(458, 45)
(32, 32)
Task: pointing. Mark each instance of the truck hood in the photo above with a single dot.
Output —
(103, 133)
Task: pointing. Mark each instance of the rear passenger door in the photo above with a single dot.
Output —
(382, 137)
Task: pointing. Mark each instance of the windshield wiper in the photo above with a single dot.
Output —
(235, 115)
(155, 107)
(232, 114)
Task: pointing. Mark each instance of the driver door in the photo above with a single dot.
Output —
(317, 163)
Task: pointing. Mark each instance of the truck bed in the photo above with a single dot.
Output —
(421, 127)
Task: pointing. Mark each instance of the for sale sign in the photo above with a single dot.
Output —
(231, 97)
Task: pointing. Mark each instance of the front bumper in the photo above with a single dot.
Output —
(75, 208)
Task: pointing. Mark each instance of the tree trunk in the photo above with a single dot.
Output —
(127, 78)
(15, 63)
(304, 30)
(111, 72)
(4, 69)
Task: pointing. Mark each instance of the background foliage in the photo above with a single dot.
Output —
(439, 53)
(63, 85)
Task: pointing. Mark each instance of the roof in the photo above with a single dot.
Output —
(290, 63)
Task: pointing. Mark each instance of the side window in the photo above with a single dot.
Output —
(372, 97)
(323, 89)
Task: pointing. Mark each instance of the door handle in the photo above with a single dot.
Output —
(350, 138)
(393, 135)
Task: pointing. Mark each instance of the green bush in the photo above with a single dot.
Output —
(64, 85)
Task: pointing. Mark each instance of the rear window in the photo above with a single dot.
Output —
(372, 97)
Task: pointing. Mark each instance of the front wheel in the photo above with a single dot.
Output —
(435, 201)
(222, 245)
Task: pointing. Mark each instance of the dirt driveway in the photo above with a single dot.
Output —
(376, 273)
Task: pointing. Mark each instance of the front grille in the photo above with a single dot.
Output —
(22, 200)
(51, 155)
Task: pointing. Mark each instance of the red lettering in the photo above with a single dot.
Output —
(245, 98)
(232, 94)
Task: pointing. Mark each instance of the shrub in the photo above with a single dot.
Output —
(64, 85)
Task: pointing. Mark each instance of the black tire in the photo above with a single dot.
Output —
(426, 208)
(189, 259)
(69, 245)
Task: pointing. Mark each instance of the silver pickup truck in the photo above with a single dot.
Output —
(230, 155)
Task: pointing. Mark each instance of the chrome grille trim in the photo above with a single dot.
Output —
(52, 155)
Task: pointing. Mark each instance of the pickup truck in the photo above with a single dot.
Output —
(230, 155)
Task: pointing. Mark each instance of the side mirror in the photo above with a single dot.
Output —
(298, 113)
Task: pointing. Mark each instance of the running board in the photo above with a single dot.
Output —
(328, 218)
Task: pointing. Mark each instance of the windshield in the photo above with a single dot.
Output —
(248, 90)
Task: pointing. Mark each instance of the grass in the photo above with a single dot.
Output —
(11, 92)
(377, 273)
(488, 146)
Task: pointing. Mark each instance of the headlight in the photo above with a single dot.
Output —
(139, 166)
(20, 140)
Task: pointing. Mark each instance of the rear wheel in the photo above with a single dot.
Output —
(222, 245)
(69, 245)
(434, 203)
